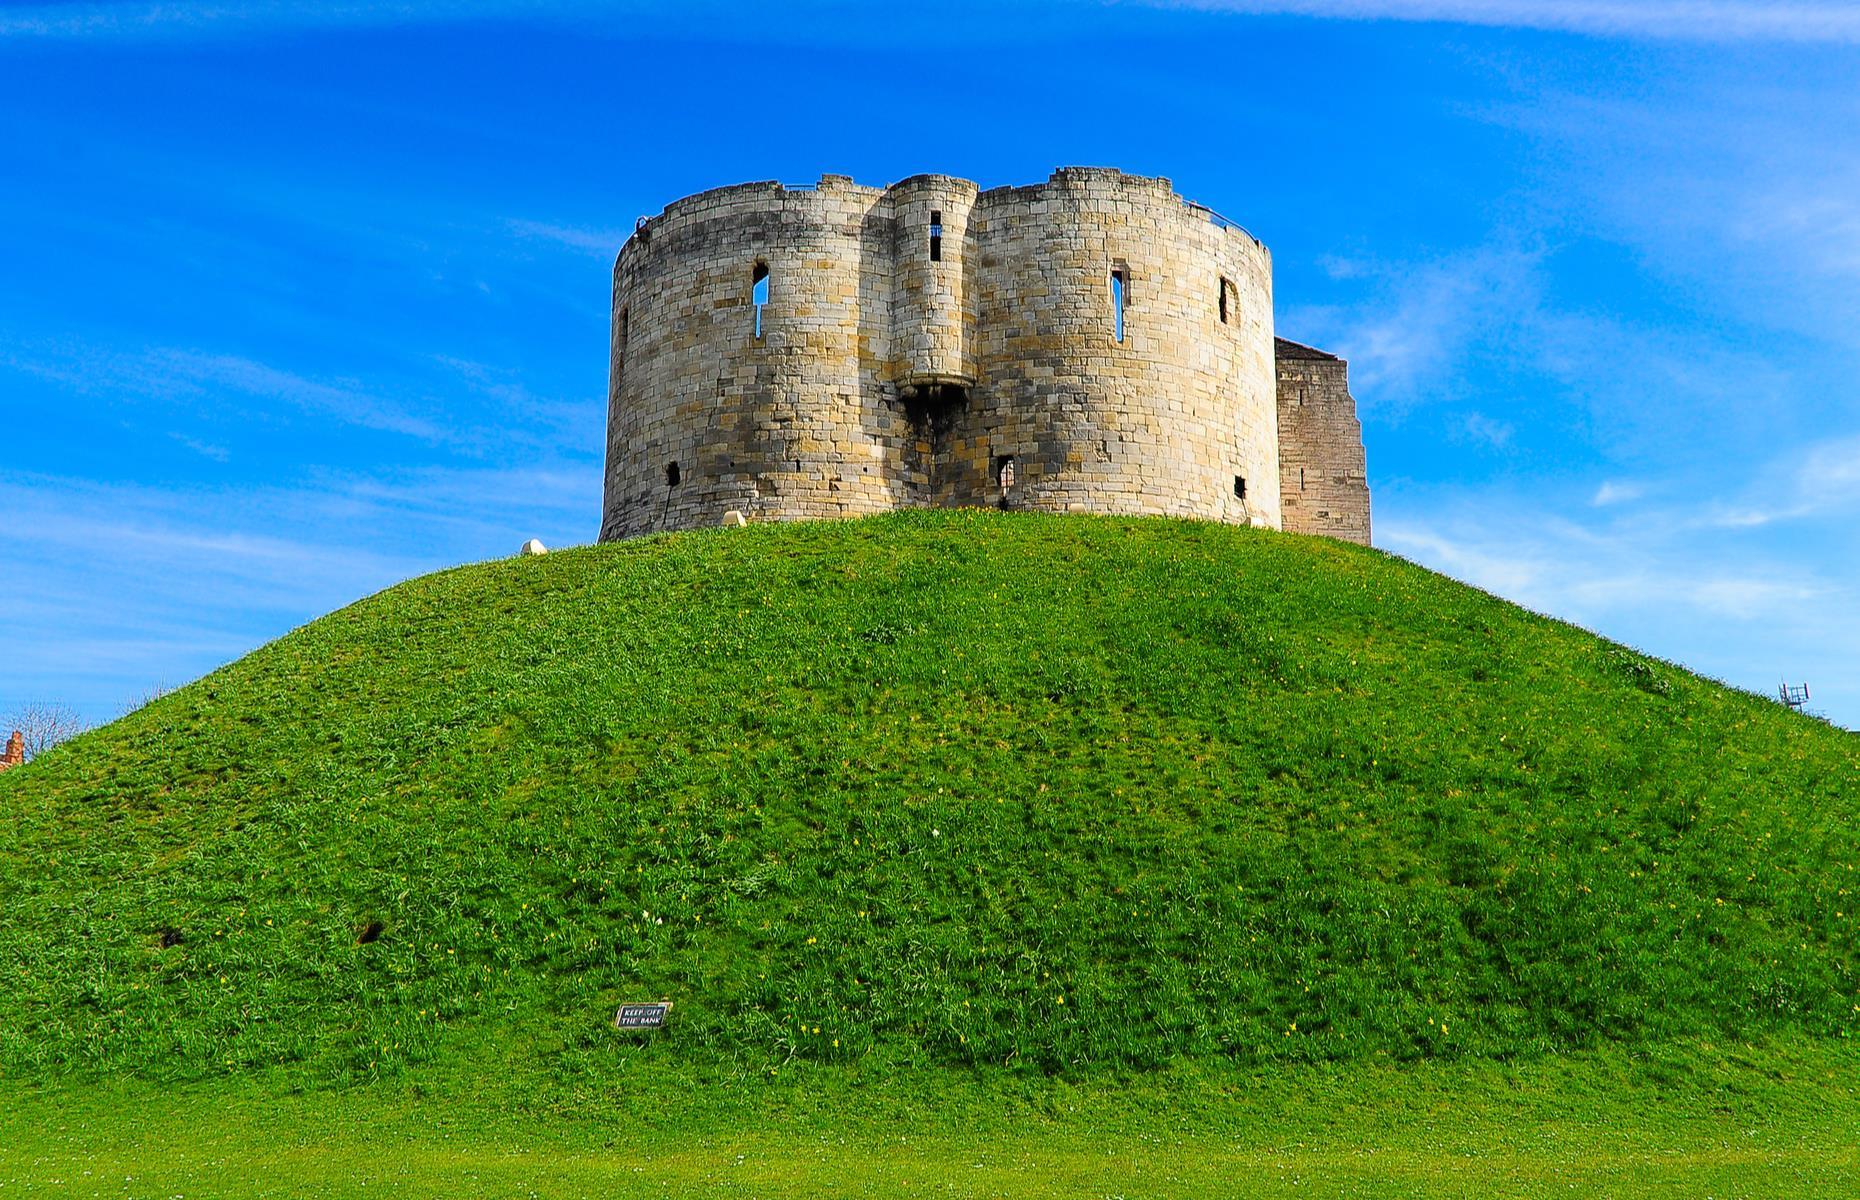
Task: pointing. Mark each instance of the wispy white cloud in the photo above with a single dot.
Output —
(1615, 491)
(1429, 330)
(204, 449)
(1821, 480)
(111, 589)
(1610, 581)
(1819, 215)
(170, 373)
(1338, 266)
(1737, 603)
(1826, 21)
(1417, 322)
(1804, 21)
(1721, 188)
(602, 242)
(1487, 430)
(344, 399)
(139, 19)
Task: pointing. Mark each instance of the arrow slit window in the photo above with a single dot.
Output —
(1120, 299)
(759, 293)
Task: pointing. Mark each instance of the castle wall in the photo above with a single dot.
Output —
(789, 422)
(1324, 481)
(884, 377)
(1161, 422)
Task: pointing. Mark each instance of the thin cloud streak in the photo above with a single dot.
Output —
(1804, 21)
(1674, 20)
(1616, 492)
(170, 20)
(1419, 322)
(1739, 605)
(128, 586)
(604, 243)
(1823, 480)
(170, 373)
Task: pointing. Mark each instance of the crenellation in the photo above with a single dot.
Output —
(917, 338)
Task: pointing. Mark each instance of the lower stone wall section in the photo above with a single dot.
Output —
(1323, 479)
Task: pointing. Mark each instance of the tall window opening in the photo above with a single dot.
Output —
(1120, 296)
(671, 474)
(1239, 487)
(936, 236)
(1004, 473)
(759, 292)
(1226, 287)
(620, 359)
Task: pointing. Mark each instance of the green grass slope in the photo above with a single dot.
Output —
(1060, 795)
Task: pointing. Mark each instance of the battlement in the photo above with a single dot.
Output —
(1092, 343)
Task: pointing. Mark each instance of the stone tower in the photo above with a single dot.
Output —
(1090, 344)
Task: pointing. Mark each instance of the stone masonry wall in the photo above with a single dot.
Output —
(1324, 482)
(887, 377)
(705, 416)
(1165, 421)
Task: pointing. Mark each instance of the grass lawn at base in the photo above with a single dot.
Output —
(982, 854)
(1776, 1121)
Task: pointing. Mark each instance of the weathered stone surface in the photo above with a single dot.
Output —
(882, 373)
(15, 752)
(1323, 483)
(533, 547)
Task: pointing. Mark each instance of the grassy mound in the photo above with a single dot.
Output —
(1061, 794)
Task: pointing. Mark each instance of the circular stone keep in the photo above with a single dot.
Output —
(1093, 343)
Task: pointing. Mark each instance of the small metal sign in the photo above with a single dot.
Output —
(642, 1016)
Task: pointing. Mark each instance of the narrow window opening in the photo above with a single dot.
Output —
(671, 474)
(1120, 296)
(1004, 473)
(759, 292)
(1225, 288)
(936, 235)
(1240, 487)
(1301, 479)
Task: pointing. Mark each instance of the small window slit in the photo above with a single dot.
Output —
(759, 292)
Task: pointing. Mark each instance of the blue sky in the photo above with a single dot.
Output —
(298, 300)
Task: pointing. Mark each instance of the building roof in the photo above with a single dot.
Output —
(1286, 348)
